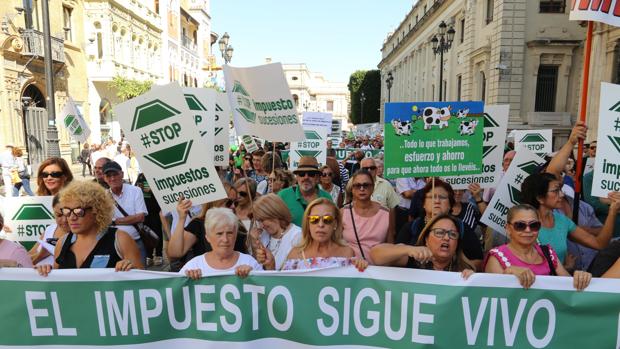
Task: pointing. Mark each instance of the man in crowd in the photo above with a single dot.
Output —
(128, 199)
(307, 189)
(99, 178)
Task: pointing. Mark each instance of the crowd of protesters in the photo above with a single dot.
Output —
(341, 213)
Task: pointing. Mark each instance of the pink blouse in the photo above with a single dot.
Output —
(506, 259)
(370, 230)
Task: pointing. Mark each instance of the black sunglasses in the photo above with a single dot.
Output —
(242, 194)
(328, 174)
(306, 173)
(521, 226)
(55, 174)
(369, 168)
(360, 186)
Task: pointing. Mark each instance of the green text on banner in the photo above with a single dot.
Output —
(607, 161)
(201, 102)
(433, 139)
(221, 141)
(162, 129)
(508, 192)
(262, 103)
(495, 125)
(378, 308)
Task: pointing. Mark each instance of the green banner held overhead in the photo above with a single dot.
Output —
(433, 139)
(378, 308)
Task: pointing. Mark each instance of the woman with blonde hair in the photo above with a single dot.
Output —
(273, 235)
(322, 244)
(53, 175)
(91, 242)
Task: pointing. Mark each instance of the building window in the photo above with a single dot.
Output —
(459, 87)
(552, 6)
(462, 30)
(483, 86)
(490, 6)
(546, 88)
(294, 78)
(66, 19)
(296, 100)
(330, 105)
(616, 64)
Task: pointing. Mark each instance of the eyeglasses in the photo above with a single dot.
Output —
(440, 233)
(522, 226)
(248, 159)
(437, 197)
(360, 186)
(557, 191)
(77, 212)
(310, 174)
(55, 174)
(242, 194)
(327, 219)
(326, 174)
(369, 168)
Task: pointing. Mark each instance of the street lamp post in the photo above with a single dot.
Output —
(362, 100)
(441, 43)
(225, 49)
(53, 146)
(388, 82)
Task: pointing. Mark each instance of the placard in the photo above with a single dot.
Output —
(314, 145)
(607, 162)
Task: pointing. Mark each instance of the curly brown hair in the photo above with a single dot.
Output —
(90, 194)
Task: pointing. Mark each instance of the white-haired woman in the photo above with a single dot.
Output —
(221, 226)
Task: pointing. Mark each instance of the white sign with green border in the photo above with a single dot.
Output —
(262, 103)
(162, 130)
(539, 142)
(607, 161)
(314, 145)
(249, 143)
(508, 192)
(494, 138)
(74, 122)
(27, 216)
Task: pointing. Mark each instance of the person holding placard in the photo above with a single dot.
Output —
(523, 257)
(43, 251)
(12, 254)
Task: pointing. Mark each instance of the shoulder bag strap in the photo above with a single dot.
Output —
(124, 213)
(355, 231)
(545, 251)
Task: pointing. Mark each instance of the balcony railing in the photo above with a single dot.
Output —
(33, 45)
(188, 43)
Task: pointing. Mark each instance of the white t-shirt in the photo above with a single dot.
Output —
(199, 262)
(280, 248)
(132, 201)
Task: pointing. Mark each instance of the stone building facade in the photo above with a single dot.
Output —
(525, 53)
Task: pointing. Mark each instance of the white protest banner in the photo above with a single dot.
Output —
(607, 161)
(606, 11)
(162, 129)
(74, 122)
(221, 139)
(494, 138)
(317, 119)
(329, 308)
(249, 143)
(508, 192)
(27, 216)
(537, 141)
(201, 101)
(314, 145)
(262, 103)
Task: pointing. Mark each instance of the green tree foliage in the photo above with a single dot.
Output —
(369, 82)
(130, 88)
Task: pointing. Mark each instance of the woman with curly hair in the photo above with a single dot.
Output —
(53, 175)
(91, 243)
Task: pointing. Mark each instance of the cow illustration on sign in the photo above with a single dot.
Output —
(436, 117)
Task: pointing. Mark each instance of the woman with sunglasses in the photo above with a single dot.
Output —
(439, 199)
(322, 244)
(189, 241)
(245, 188)
(439, 247)
(543, 191)
(274, 234)
(326, 182)
(92, 243)
(53, 175)
(365, 222)
(523, 256)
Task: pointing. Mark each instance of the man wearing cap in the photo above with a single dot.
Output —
(307, 189)
(7, 162)
(131, 200)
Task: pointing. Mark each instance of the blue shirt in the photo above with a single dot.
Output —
(557, 236)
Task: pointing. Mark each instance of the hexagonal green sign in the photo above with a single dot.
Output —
(169, 157)
(312, 135)
(32, 212)
(150, 113)
(193, 103)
